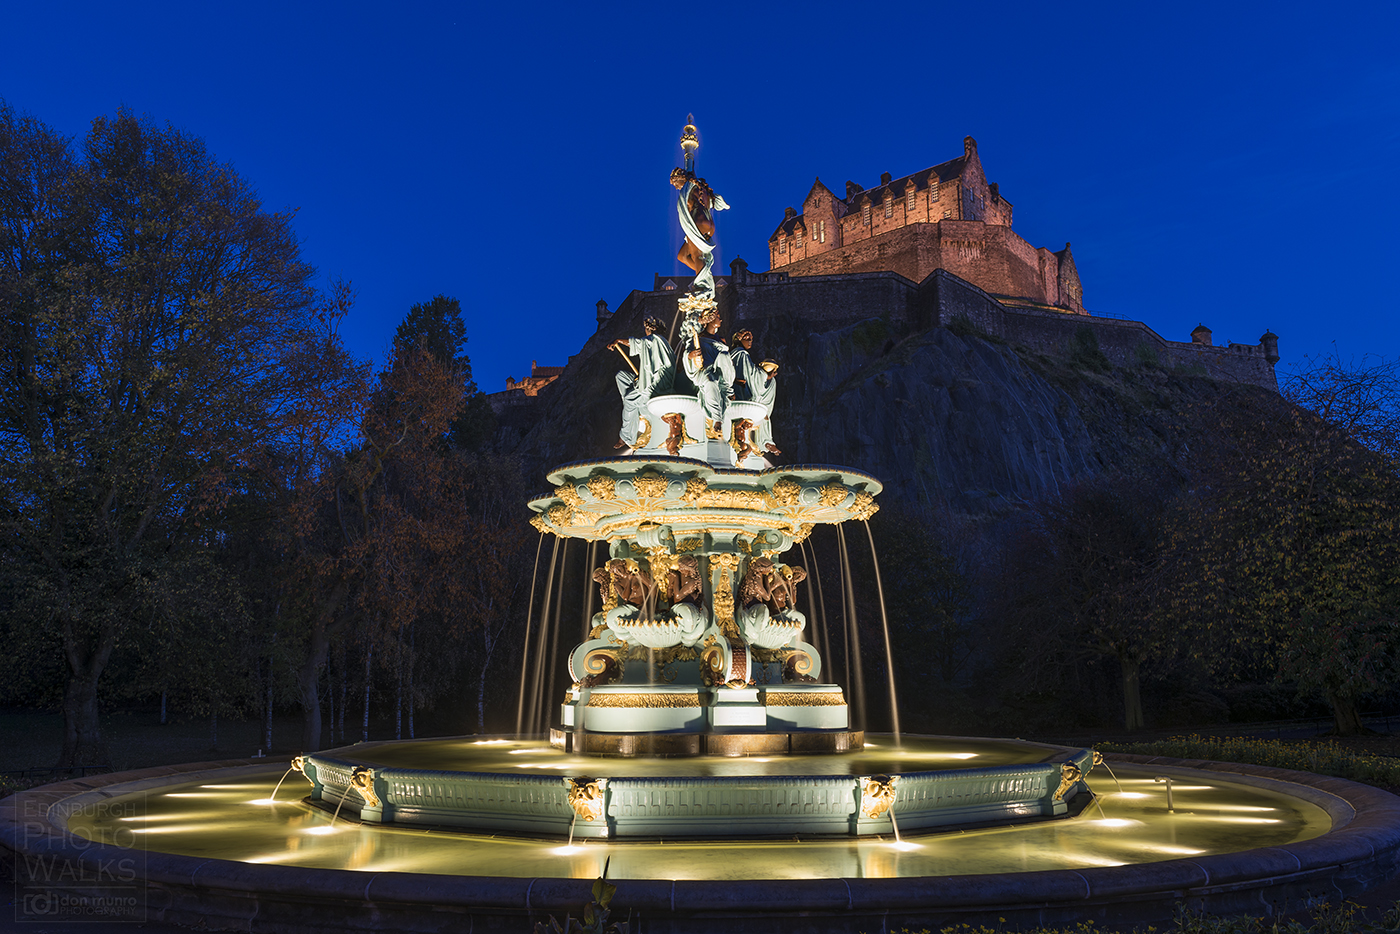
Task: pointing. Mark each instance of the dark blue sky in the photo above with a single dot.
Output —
(1232, 164)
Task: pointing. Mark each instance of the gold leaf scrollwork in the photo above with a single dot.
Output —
(656, 701)
(695, 488)
(712, 662)
(299, 764)
(833, 494)
(560, 515)
(644, 433)
(864, 506)
(877, 794)
(1069, 775)
(803, 699)
(800, 532)
(362, 780)
(785, 491)
(650, 485)
(569, 494)
(602, 486)
(690, 544)
(662, 563)
(728, 564)
(603, 662)
(586, 797)
(538, 522)
(737, 499)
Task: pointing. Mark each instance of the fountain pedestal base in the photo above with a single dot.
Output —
(625, 745)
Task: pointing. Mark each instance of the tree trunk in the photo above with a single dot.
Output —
(369, 654)
(309, 685)
(398, 690)
(309, 674)
(344, 687)
(1132, 696)
(82, 735)
(411, 658)
(1345, 715)
(267, 732)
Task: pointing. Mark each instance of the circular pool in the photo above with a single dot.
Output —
(210, 842)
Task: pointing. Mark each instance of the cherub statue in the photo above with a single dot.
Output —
(629, 583)
(768, 618)
(684, 581)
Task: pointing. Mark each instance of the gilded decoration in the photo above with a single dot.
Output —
(695, 488)
(299, 764)
(864, 506)
(803, 699)
(696, 303)
(1069, 775)
(560, 515)
(586, 797)
(538, 522)
(737, 499)
(833, 494)
(650, 485)
(602, 486)
(724, 593)
(712, 662)
(569, 494)
(785, 492)
(601, 666)
(800, 532)
(690, 544)
(603, 577)
(662, 564)
(877, 794)
(654, 701)
(623, 521)
(362, 780)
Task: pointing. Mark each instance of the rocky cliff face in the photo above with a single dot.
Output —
(937, 416)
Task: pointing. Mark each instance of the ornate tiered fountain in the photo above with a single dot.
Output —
(699, 649)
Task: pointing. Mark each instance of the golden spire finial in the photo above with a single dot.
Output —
(689, 142)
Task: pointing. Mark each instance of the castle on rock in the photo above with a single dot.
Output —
(944, 217)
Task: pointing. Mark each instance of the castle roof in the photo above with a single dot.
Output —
(944, 171)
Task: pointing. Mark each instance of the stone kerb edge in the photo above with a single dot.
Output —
(1362, 852)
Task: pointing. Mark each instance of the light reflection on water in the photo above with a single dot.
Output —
(227, 824)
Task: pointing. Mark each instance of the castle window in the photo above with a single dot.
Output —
(782, 245)
(948, 212)
(932, 191)
(815, 228)
(821, 225)
(889, 206)
(865, 213)
(909, 201)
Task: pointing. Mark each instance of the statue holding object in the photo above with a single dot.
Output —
(654, 375)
